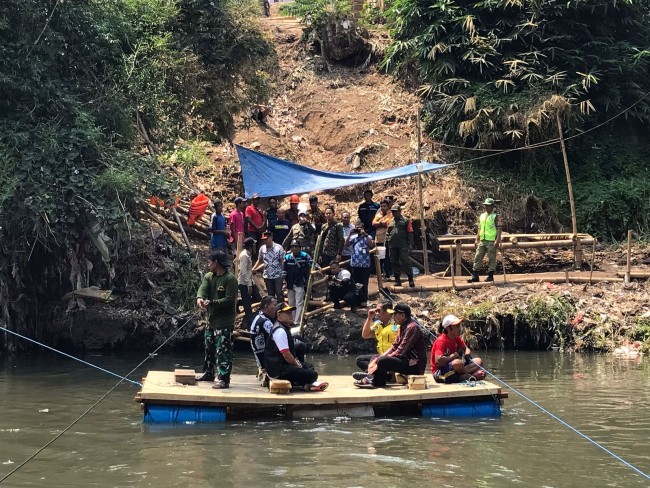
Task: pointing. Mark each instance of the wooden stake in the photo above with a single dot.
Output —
(239, 246)
(503, 264)
(164, 227)
(574, 222)
(423, 226)
(380, 283)
(459, 260)
(629, 256)
(593, 255)
(451, 268)
(180, 226)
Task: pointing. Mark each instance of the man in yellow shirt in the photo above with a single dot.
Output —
(378, 325)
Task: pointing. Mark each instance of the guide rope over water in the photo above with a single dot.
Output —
(89, 409)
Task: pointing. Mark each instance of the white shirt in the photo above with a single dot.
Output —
(347, 251)
(343, 275)
(281, 340)
(245, 276)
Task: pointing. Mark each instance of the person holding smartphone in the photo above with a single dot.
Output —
(360, 244)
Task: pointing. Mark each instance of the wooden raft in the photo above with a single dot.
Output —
(245, 393)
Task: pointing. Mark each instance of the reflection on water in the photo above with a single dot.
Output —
(605, 398)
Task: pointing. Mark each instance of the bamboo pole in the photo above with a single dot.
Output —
(238, 248)
(503, 263)
(180, 225)
(451, 268)
(164, 227)
(423, 230)
(639, 275)
(380, 283)
(593, 256)
(628, 266)
(317, 311)
(577, 254)
(459, 260)
(523, 245)
(310, 282)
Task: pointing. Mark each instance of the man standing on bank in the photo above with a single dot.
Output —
(488, 240)
(218, 296)
(247, 288)
(271, 259)
(400, 243)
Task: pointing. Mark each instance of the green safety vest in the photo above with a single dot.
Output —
(487, 227)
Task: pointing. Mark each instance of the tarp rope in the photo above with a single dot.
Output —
(68, 355)
(532, 402)
(123, 378)
(566, 424)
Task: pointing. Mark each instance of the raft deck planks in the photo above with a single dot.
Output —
(159, 388)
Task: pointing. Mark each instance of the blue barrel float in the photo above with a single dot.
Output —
(485, 408)
(183, 414)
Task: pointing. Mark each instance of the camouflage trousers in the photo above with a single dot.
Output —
(218, 353)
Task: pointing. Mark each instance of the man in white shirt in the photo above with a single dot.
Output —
(341, 286)
(348, 227)
(247, 288)
(271, 259)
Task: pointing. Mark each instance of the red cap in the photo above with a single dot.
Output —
(294, 199)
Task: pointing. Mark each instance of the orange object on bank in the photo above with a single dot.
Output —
(198, 206)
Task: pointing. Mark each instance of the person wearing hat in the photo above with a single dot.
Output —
(219, 233)
(292, 214)
(254, 218)
(271, 259)
(407, 355)
(237, 220)
(316, 215)
(367, 211)
(297, 265)
(218, 296)
(488, 240)
(304, 232)
(379, 325)
(400, 242)
(451, 360)
(280, 354)
(247, 288)
(332, 239)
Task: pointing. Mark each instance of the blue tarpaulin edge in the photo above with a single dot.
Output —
(270, 176)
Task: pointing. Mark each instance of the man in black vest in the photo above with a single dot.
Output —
(280, 354)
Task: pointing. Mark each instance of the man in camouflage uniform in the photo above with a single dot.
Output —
(332, 240)
(218, 296)
(400, 242)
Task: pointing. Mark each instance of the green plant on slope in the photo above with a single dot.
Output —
(494, 73)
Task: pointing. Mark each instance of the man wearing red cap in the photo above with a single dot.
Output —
(451, 360)
(292, 214)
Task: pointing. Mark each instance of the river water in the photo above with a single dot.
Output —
(605, 398)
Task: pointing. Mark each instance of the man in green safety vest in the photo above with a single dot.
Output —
(487, 242)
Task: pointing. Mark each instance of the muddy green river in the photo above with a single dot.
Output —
(605, 398)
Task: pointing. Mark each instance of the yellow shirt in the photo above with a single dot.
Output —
(385, 335)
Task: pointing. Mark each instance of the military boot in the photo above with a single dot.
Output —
(411, 282)
(474, 278)
(398, 280)
(490, 276)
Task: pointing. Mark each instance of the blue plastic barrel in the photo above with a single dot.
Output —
(486, 408)
(183, 414)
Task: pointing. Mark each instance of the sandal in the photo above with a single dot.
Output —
(221, 385)
(365, 383)
(317, 386)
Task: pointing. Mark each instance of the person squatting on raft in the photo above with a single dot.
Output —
(218, 296)
(261, 330)
(451, 360)
(407, 355)
(379, 324)
(280, 354)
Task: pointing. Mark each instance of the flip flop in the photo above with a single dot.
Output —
(319, 386)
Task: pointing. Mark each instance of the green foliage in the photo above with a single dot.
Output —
(81, 84)
(317, 13)
(495, 72)
(189, 155)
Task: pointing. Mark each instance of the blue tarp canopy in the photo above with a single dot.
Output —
(270, 176)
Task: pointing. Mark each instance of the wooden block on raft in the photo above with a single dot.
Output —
(185, 376)
(417, 382)
(279, 387)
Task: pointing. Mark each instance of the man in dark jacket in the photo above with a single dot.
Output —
(408, 355)
(297, 265)
(400, 243)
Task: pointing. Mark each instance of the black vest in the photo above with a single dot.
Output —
(273, 359)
